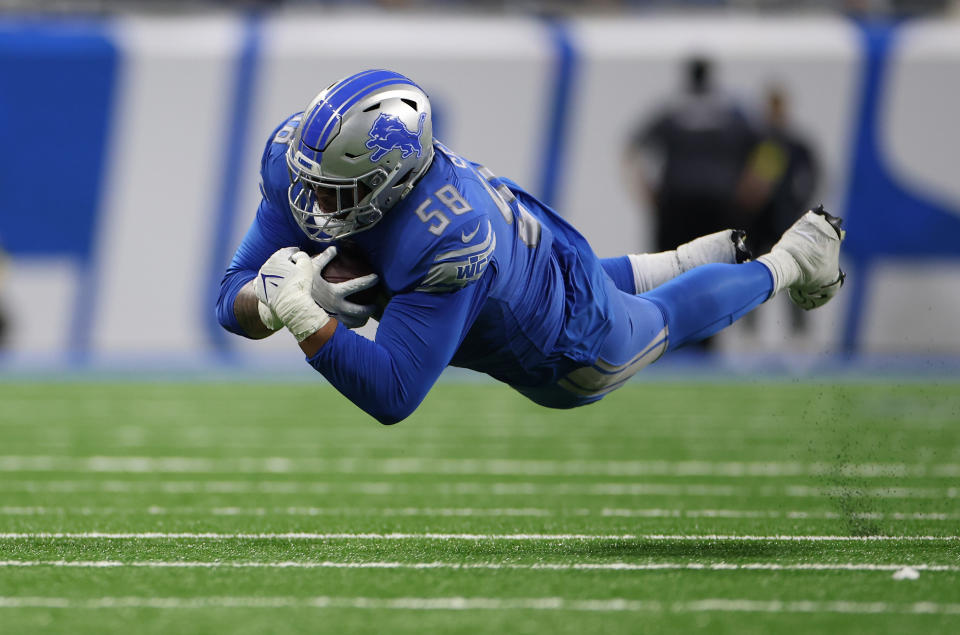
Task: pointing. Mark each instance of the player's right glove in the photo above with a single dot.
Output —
(332, 296)
(283, 284)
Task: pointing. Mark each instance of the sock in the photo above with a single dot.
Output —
(783, 267)
(652, 270)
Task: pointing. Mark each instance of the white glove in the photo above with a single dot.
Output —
(332, 296)
(283, 285)
(268, 317)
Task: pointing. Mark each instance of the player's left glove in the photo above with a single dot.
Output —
(332, 296)
(283, 284)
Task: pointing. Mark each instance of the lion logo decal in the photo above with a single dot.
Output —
(388, 133)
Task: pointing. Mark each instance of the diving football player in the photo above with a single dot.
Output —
(479, 273)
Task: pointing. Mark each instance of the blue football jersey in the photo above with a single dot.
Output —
(481, 275)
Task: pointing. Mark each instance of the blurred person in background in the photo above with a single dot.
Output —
(688, 160)
(780, 177)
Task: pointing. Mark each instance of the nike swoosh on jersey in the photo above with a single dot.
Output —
(465, 237)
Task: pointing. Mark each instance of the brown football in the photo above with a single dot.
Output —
(348, 264)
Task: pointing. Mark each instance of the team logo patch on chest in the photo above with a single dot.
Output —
(388, 132)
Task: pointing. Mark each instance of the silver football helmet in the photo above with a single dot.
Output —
(361, 146)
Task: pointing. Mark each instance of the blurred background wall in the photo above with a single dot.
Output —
(132, 132)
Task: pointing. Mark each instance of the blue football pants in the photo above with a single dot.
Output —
(691, 307)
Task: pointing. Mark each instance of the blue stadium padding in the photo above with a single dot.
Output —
(236, 134)
(884, 217)
(58, 80)
(557, 132)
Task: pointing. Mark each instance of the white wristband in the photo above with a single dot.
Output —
(304, 327)
(301, 314)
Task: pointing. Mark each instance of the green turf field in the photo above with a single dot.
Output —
(732, 508)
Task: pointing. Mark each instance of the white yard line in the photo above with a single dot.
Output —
(789, 514)
(777, 606)
(539, 566)
(465, 537)
(525, 512)
(464, 488)
(613, 605)
(155, 510)
(287, 465)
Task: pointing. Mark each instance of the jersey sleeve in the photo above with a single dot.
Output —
(268, 233)
(440, 274)
(389, 377)
(274, 178)
(272, 229)
(459, 263)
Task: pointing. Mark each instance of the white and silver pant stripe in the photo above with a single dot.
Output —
(602, 377)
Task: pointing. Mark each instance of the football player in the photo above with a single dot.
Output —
(479, 273)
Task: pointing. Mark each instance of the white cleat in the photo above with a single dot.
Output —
(813, 244)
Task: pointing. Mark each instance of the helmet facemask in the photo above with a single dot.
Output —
(330, 208)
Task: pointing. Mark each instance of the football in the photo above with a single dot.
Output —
(348, 264)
